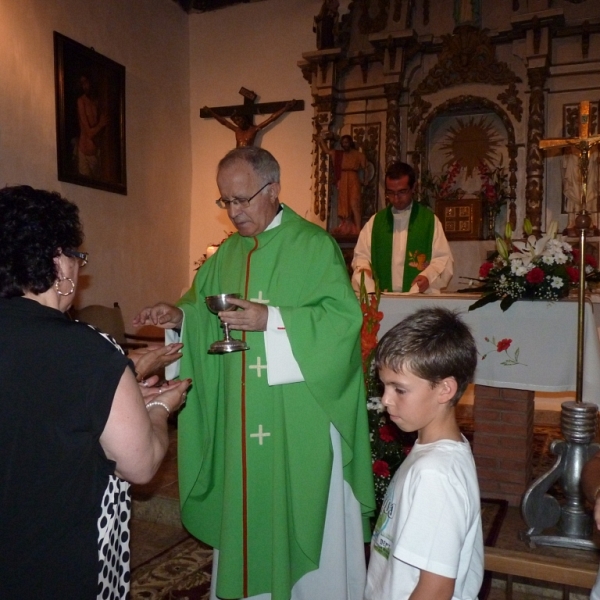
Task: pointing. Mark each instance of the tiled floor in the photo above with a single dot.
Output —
(159, 501)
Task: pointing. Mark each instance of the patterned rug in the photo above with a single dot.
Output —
(183, 571)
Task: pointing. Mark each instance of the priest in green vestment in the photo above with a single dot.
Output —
(274, 456)
(403, 246)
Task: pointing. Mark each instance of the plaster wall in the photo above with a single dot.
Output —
(138, 243)
(256, 46)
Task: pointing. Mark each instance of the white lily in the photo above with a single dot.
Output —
(533, 248)
(530, 249)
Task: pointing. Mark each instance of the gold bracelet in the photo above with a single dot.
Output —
(158, 403)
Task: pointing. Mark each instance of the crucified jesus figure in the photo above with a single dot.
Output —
(577, 176)
(245, 131)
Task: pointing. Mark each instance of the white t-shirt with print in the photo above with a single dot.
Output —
(430, 520)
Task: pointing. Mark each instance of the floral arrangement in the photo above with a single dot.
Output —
(441, 187)
(389, 445)
(540, 269)
(493, 193)
(494, 186)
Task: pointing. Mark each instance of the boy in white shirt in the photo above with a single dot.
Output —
(428, 542)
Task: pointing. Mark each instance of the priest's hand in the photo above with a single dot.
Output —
(252, 317)
(154, 358)
(162, 315)
(421, 282)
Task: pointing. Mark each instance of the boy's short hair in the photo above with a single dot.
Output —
(432, 343)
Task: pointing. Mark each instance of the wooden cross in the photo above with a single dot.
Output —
(583, 143)
(242, 115)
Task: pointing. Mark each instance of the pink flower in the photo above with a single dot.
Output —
(381, 468)
(536, 275)
(573, 273)
(386, 433)
(485, 269)
(503, 345)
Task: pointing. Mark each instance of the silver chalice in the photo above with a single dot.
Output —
(229, 344)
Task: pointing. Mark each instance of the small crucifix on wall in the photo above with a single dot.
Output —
(242, 116)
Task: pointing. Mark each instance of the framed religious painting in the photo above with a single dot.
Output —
(90, 117)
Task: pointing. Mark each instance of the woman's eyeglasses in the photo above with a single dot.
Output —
(81, 256)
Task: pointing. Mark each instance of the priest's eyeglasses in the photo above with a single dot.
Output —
(398, 193)
(81, 256)
(239, 202)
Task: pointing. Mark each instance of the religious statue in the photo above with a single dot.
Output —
(347, 164)
(467, 11)
(241, 124)
(326, 24)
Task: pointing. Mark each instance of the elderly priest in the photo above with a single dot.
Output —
(274, 457)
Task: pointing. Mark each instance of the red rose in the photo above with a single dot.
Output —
(573, 273)
(536, 275)
(485, 269)
(386, 433)
(381, 468)
(590, 260)
(503, 345)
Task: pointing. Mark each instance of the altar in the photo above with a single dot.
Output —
(530, 347)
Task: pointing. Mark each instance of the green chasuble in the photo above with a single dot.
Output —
(255, 460)
(419, 243)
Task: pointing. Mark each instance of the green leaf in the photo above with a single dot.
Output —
(507, 302)
(487, 299)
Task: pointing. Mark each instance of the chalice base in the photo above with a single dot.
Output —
(225, 346)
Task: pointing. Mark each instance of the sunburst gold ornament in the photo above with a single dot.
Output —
(471, 141)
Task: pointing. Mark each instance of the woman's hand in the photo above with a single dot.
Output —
(172, 393)
(154, 358)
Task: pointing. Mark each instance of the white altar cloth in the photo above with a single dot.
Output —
(542, 355)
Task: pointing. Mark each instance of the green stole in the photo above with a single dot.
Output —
(421, 226)
(262, 500)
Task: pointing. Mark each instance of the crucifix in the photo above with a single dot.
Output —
(581, 145)
(242, 116)
(542, 511)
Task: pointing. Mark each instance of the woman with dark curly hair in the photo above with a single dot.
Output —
(76, 426)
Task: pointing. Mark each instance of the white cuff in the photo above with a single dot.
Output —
(172, 337)
(282, 367)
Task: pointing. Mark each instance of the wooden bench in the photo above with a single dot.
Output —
(566, 572)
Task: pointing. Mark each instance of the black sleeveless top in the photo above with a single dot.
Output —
(57, 382)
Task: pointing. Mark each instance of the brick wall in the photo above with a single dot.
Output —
(503, 441)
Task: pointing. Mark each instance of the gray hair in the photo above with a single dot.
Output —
(262, 162)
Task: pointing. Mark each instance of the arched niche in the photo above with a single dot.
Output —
(438, 139)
